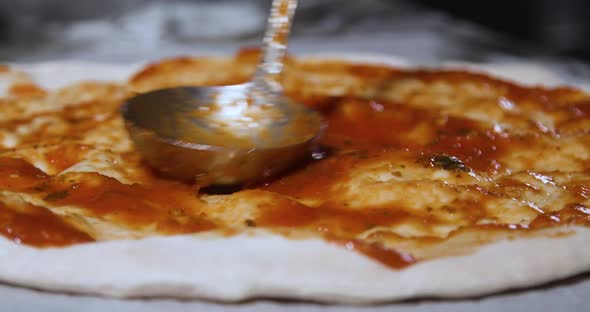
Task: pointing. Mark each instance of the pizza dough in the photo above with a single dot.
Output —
(261, 263)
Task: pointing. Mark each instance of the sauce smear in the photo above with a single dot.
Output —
(315, 198)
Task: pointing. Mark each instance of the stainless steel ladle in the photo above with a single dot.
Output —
(227, 135)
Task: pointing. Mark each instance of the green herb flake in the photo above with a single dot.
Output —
(466, 132)
(369, 226)
(57, 195)
(41, 187)
(449, 162)
(445, 162)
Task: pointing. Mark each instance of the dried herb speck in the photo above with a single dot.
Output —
(57, 195)
(444, 161)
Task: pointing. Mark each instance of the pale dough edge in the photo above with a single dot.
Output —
(264, 265)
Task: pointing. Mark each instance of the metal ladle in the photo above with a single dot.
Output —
(227, 135)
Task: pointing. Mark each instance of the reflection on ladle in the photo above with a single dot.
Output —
(228, 134)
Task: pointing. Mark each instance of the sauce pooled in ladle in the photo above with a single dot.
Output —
(225, 135)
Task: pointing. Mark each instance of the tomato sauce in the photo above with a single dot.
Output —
(358, 130)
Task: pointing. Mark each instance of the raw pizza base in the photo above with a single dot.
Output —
(262, 264)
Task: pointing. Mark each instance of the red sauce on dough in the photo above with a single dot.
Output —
(39, 227)
(309, 197)
(384, 255)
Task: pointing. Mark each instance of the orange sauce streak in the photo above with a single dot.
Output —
(26, 90)
(325, 173)
(165, 204)
(65, 156)
(39, 227)
(356, 124)
(330, 219)
(384, 255)
(580, 110)
(573, 214)
(19, 176)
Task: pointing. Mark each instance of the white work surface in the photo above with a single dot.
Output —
(568, 295)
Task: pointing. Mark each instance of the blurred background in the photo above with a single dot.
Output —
(554, 33)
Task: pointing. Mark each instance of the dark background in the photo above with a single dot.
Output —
(423, 30)
(558, 26)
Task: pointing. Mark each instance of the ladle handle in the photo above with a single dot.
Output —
(266, 78)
